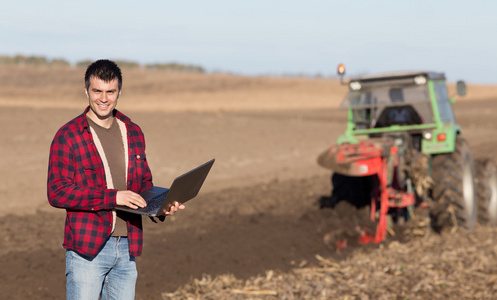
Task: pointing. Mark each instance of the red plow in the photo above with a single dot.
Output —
(379, 157)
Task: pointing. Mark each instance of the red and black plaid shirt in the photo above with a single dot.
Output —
(76, 182)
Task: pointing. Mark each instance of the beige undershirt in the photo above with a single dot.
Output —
(110, 146)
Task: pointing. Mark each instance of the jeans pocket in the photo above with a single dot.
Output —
(69, 259)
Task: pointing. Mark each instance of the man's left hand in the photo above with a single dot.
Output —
(174, 208)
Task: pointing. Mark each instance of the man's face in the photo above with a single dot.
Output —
(103, 98)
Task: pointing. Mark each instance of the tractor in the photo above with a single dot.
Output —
(402, 149)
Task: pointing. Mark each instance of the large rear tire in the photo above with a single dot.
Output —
(486, 191)
(454, 196)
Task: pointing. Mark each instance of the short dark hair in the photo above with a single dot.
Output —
(105, 70)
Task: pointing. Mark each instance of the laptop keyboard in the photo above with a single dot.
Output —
(153, 204)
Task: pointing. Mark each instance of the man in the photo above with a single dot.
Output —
(97, 162)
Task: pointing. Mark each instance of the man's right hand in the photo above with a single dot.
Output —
(130, 199)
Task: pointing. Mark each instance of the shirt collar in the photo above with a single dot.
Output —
(83, 123)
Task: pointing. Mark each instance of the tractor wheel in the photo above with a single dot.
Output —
(486, 191)
(454, 196)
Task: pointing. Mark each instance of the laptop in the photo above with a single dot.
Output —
(183, 188)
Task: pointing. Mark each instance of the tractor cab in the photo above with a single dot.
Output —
(415, 102)
(400, 99)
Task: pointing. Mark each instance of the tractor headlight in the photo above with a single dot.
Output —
(355, 85)
(427, 135)
(419, 80)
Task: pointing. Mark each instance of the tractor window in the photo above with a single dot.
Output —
(370, 102)
(375, 96)
(444, 106)
(363, 118)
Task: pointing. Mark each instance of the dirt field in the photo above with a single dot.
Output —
(257, 216)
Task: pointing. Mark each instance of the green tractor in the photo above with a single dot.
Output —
(403, 149)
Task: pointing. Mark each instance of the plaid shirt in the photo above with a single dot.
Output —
(76, 182)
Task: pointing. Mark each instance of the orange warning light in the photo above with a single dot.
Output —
(341, 69)
(441, 137)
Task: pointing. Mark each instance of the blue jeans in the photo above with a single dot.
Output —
(111, 274)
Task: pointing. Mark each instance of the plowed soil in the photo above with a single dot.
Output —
(256, 225)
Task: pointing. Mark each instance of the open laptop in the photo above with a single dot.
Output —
(184, 188)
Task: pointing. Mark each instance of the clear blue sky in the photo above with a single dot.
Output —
(263, 37)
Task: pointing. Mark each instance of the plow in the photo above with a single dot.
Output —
(378, 158)
(403, 150)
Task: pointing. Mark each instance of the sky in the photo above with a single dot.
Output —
(263, 37)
